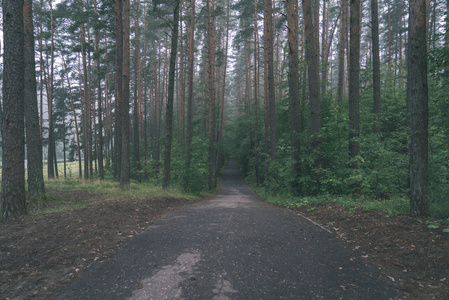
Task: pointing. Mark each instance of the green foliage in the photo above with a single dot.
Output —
(193, 179)
(380, 178)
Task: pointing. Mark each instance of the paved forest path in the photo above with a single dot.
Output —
(232, 247)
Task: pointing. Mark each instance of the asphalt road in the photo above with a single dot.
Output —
(232, 247)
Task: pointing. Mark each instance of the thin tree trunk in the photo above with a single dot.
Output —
(51, 139)
(74, 117)
(136, 135)
(118, 88)
(211, 87)
(341, 52)
(220, 130)
(190, 67)
(376, 68)
(268, 46)
(100, 108)
(354, 80)
(125, 170)
(170, 98)
(182, 85)
(293, 87)
(256, 93)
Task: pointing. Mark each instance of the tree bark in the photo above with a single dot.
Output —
(51, 138)
(118, 88)
(268, 47)
(312, 59)
(13, 202)
(376, 67)
(36, 187)
(77, 136)
(170, 98)
(125, 170)
(100, 107)
(341, 51)
(211, 88)
(136, 135)
(354, 79)
(256, 93)
(190, 67)
(418, 110)
(293, 88)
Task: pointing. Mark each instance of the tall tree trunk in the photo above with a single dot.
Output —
(125, 170)
(418, 110)
(170, 97)
(118, 88)
(100, 108)
(86, 102)
(354, 80)
(13, 201)
(51, 138)
(341, 51)
(376, 67)
(182, 85)
(190, 67)
(223, 88)
(256, 93)
(211, 88)
(293, 88)
(80, 171)
(36, 187)
(136, 135)
(268, 46)
(41, 71)
(312, 59)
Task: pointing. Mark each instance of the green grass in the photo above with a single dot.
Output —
(112, 191)
(393, 206)
(109, 190)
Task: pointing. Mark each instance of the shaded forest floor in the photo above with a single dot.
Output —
(41, 253)
(414, 257)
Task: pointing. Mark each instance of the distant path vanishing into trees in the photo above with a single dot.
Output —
(232, 247)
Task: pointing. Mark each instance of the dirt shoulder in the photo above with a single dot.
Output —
(41, 253)
(414, 257)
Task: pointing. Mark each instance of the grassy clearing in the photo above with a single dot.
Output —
(98, 191)
(112, 191)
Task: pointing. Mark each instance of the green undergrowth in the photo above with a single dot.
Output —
(392, 206)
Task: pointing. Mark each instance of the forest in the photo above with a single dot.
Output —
(317, 100)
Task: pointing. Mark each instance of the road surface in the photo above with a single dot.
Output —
(232, 247)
